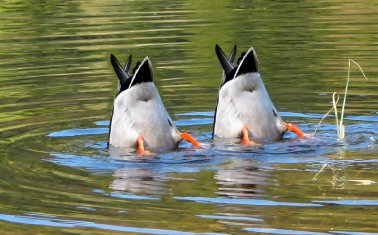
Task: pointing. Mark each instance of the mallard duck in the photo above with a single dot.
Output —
(139, 117)
(244, 108)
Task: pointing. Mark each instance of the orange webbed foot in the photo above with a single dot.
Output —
(291, 127)
(140, 149)
(189, 138)
(245, 140)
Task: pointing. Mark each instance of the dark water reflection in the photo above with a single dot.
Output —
(57, 87)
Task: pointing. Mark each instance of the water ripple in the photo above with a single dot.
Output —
(352, 202)
(76, 223)
(281, 231)
(253, 202)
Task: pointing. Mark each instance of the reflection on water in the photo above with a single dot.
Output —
(136, 181)
(242, 180)
(57, 87)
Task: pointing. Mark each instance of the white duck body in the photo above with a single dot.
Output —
(243, 100)
(139, 110)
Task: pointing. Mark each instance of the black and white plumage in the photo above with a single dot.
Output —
(244, 101)
(139, 110)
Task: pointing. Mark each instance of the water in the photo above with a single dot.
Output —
(57, 88)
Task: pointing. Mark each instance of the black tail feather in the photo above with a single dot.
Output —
(126, 68)
(123, 76)
(144, 73)
(248, 64)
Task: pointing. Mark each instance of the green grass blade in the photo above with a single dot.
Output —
(342, 130)
(342, 110)
(335, 108)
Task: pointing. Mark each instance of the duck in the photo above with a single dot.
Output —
(244, 109)
(139, 117)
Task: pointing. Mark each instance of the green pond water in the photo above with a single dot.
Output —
(57, 86)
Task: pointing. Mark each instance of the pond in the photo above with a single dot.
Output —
(57, 91)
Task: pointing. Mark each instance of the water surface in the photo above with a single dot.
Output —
(57, 89)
